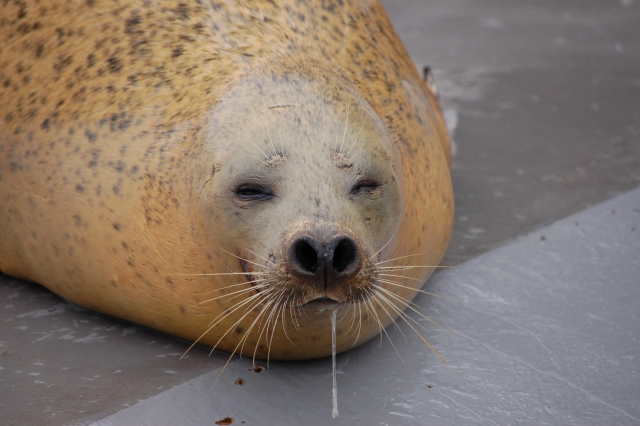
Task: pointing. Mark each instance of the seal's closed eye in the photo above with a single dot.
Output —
(254, 193)
(366, 186)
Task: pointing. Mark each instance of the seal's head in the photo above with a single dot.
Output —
(302, 192)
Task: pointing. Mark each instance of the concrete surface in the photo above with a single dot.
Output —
(549, 330)
(544, 102)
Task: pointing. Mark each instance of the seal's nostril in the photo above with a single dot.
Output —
(344, 255)
(306, 256)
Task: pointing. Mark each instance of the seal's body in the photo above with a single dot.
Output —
(286, 150)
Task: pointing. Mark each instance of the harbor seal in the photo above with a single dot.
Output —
(226, 172)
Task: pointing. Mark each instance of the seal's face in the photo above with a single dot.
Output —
(302, 192)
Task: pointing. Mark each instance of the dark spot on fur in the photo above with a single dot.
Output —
(116, 189)
(177, 52)
(91, 60)
(45, 124)
(131, 23)
(116, 226)
(90, 135)
(114, 64)
(77, 220)
(79, 188)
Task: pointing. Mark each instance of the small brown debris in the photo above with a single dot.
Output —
(428, 386)
(258, 369)
(239, 382)
(225, 421)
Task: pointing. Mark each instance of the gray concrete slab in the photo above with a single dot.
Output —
(545, 99)
(550, 334)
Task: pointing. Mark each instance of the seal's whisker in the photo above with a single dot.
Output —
(261, 329)
(253, 324)
(373, 312)
(346, 125)
(241, 258)
(284, 317)
(375, 297)
(239, 284)
(264, 258)
(411, 288)
(381, 297)
(237, 293)
(386, 244)
(406, 319)
(265, 155)
(359, 321)
(221, 274)
(354, 141)
(273, 316)
(401, 257)
(277, 310)
(404, 268)
(235, 325)
(408, 305)
(226, 314)
(236, 348)
(281, 146)
(353, 318)
(354, 156)
(240, 304)
(271, 142)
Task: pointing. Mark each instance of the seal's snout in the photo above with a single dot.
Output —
(325, 263)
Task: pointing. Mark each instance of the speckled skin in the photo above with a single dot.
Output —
(124, 125)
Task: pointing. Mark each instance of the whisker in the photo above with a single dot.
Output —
(221, 274)
(236, 348)
(241, 258)
(411, 288)
(264, 258)
(404, 301)
(354, 141)
(373, 311)
(345, 130)
(354, 156)
(404, 317)
(236, 285)
(401, 257)
(270, 141)
(212, 324)
(265, 155)
(403, 268)
(374, 297)
(237, 293)
(387, 243)
(284, 325)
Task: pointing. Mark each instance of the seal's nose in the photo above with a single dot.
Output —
(337, 258)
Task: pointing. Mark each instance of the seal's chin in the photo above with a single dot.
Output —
(323, 304)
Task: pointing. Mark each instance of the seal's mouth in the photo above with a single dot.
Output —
(323, 303)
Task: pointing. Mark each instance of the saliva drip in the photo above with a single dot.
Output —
(334, 393)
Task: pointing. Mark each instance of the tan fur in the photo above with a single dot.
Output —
(105, 112)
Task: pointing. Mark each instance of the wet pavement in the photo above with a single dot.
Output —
(543, 99)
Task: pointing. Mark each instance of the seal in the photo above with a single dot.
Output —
(226, 172)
